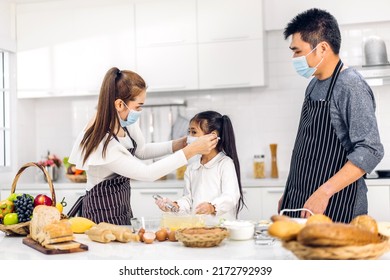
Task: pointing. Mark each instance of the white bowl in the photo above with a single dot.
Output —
(240, 230)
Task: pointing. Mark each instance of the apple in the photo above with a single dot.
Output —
(42, 199)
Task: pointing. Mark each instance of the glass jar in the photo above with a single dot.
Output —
(258, 167)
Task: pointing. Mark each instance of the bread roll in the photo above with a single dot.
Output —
(122, 233)
(335, 234)
(366, 222)
(285, 230)
(318, 218)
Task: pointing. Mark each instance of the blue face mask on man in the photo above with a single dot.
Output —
(132, 117)
(301, 66)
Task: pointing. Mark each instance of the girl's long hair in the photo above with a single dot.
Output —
(125, 85)
(210, 121)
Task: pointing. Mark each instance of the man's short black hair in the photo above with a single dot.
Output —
(315, 26)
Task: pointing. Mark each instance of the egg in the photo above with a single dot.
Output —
(172, 236)
(162, 235)
(149, 237)
(141, 234)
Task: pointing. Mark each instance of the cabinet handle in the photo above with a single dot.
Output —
(232, 85)
(171, 87)
(230, 38)
(154, 192)
(276, 191)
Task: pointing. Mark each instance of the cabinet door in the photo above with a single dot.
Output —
(379, 202)
(70, 45)
(270, 200)
(231, 64)
(165, 22)
(169, 67)
(220, 20)
(142, 202)
(252, 198)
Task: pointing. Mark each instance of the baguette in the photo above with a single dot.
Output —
(101, 235)
(122, 234)
(335, 234)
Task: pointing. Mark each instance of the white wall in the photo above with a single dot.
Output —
(260, 115)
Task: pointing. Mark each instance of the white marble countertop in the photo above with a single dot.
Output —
(227, 250)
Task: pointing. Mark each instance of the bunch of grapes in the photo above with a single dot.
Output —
(24, 205)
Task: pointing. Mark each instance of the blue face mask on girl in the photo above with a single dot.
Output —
(132, 117)
(301, 66)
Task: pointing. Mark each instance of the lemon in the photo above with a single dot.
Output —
(80, 224)
(59, 207)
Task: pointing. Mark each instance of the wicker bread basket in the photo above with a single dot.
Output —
(201, 236)
(364, 252)
(23, 228)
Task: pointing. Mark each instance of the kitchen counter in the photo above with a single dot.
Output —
(227, 250)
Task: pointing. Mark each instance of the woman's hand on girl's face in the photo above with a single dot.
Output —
(206, 143)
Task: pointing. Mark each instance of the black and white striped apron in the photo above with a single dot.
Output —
(109, 201)
(317, 156)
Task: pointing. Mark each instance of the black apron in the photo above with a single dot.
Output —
(317, 155)
(109, 201)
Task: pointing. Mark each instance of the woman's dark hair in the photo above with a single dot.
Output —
(125, 85)
(315, 26)
(210, 121)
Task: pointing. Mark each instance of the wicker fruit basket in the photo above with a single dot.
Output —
(364, 252)
(77, 178)
(23, 228)
(202, 236)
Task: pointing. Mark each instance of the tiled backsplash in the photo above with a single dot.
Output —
(260, 116)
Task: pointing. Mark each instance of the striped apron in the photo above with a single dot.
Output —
(109, 201)
(317, 156)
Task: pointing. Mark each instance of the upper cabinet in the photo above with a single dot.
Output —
(7, 23)
(166, 44)
(230, 34)
(280, 12)
(66, 47)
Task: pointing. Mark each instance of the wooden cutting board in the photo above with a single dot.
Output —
(35, 245)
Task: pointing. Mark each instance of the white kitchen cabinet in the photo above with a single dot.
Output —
(169, 68)
(231, 64)
(379, 202)
(269, 203)
(142, 202)
(226, 20)
(280, 12)
(253, 209)
(166, 44)
(231, 52)
(66, 47)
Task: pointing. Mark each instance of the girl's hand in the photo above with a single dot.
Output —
(205, 208)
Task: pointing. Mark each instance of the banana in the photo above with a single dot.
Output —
(80, 224)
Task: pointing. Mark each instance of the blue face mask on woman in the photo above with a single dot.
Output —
(132, 117)
(301, 66)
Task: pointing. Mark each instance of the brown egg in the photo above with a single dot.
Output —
(162, 235)
(171, 236)
(141, 234)
(149, 237)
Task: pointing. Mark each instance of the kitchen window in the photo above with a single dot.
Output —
(5, 133)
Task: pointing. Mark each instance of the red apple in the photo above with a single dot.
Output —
(42, 199)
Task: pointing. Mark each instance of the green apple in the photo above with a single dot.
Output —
(10, 219)
(13, 196)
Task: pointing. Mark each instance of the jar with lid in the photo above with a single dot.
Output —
(258, 167)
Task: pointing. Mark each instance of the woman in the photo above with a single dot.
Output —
(213, 181)
(111, 148)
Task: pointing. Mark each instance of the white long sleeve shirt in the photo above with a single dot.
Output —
(214, 182)
(119, 160)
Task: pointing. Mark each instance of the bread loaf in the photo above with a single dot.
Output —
(285, 230)
(122, 233)
(43, 215)
(366, 222)
(56, 232)
(335, 234)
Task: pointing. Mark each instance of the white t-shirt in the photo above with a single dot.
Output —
(118, 159)
(214, 182)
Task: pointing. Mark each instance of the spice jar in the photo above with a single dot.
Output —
(258, 167)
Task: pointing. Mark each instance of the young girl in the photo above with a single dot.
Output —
(213, 181)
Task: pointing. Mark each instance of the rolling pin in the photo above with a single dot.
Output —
(101, 235)
(121, 233)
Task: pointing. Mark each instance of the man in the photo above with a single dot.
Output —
(337, 140)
